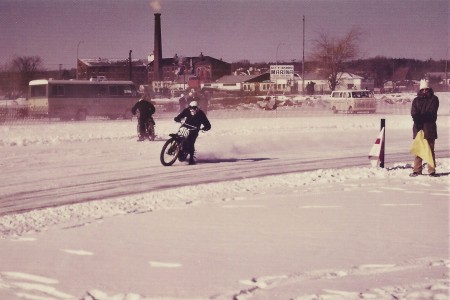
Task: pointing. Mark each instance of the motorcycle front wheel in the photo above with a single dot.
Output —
(169, 152)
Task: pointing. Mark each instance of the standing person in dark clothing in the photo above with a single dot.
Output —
(194, 117)
(144, 109)
(183, 102)
(203, 102)
(424, 110)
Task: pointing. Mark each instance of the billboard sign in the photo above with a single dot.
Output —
(285, 72)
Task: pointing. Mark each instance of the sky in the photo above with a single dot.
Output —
(299, 215)
(255, 30)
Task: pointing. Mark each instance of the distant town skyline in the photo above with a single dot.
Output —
(233, 30)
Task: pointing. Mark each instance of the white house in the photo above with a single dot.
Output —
(348, 81)
(320, 82)
(229, 82)
(261, 84)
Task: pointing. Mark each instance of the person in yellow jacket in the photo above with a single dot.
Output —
(424, 110)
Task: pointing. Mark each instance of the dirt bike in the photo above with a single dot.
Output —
(149, 130)
(175, 147)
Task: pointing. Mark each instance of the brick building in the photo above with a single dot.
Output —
(113, 69)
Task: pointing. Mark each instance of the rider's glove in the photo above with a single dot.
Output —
(177, 120)
(206, 128)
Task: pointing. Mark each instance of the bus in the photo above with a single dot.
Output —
(353, 101)
(77, 99)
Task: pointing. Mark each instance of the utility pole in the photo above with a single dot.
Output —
(446, 77)
(276, 62)
(303, 59)
(130, 65)
(77, 58)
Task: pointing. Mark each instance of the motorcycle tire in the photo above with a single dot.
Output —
(151, 132)
(169, 152)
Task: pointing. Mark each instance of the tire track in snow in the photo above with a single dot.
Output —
(116, 184)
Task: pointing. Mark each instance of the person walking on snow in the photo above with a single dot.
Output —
(424, 110)
(195, 117)
(145, 110)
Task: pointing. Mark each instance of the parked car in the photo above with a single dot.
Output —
(353, 101)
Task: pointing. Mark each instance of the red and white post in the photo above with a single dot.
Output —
(376, 154)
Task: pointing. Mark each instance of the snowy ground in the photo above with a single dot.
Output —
(281, 205)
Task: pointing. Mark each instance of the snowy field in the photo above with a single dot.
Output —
(281, 205)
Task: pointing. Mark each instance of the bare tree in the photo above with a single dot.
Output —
(331, 53)
(26, 68)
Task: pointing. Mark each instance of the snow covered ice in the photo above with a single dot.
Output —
(281, 205)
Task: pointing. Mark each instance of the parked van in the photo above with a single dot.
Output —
(353, 101)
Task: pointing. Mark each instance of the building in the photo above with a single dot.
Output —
(186, 71)
(438, 77)
(321, 84)
(113, 69)
(237, 83)
(164, 72)
(157, 74)
(347, 81)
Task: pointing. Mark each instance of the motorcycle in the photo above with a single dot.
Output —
(175, 147)
(149, 130)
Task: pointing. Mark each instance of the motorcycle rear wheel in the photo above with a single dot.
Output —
(169, 152)
(151, 132)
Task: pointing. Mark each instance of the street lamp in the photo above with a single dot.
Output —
(446, 77)
(78, 46)
(276, 62)
(303, 59)
(276, 57)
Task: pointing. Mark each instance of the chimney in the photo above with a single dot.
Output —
(157, 64)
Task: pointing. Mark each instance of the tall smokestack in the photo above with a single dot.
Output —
(157, 64)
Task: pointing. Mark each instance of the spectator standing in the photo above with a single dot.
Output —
(424, 110)
(183, 102)
(203, 102)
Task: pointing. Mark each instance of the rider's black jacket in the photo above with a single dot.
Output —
(196, 120)
(146, 109)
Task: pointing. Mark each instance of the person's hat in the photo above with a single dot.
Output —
(193, 104)
(424, 84)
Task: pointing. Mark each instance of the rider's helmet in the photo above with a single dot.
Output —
(193, 107)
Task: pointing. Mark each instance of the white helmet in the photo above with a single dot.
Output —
(193, 104)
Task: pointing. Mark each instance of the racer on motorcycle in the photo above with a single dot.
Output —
(145, 110)
(193, 116)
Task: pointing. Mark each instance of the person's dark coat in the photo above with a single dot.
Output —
(145, 109)
(183, 101)
(196, 120)
(424, 113)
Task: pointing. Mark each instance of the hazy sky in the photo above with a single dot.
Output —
(257, 30)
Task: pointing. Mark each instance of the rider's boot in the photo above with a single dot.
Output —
(191, 159)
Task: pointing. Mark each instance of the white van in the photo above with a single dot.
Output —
(353, 101)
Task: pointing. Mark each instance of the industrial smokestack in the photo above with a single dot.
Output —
(157, 64)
